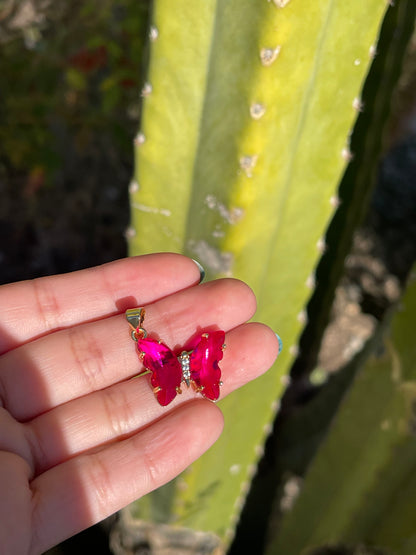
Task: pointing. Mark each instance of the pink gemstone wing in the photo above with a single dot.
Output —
(165, 367)
(204, 369)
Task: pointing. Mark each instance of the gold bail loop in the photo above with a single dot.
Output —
(135, 317)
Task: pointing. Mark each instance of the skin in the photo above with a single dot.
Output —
(79, 439)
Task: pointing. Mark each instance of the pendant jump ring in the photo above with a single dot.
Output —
(138, 333)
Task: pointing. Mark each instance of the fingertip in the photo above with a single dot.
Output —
(251, 297)
(210, 419)
(253, 349)
(181, 268)
(233, 288)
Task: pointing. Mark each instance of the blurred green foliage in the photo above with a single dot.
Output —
(67, 67)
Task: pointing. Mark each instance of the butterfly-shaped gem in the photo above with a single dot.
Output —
(196, 365)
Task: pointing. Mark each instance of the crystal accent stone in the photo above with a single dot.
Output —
(186, 370)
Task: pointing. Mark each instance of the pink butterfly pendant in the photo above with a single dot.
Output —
(196, 365)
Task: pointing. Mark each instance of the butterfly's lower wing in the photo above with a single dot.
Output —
(165, 367)
(204, 369)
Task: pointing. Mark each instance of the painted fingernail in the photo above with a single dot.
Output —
(201, 270)
(280, 342)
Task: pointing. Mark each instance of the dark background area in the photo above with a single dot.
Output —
(69, 109)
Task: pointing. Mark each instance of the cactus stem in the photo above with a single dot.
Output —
(204, 94)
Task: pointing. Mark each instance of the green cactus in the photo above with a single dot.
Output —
(296, 438)
(361, 484)
(368, 141)
(246, 116)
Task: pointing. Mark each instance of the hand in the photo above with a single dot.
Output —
(79, 440)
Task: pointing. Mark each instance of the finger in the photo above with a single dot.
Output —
(88, 488)
(127, 407)
(41, 375)
(31, 309)
(15, 504)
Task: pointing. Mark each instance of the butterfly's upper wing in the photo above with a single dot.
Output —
(204, 369)
(165, 367)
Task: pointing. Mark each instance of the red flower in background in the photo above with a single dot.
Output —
(86, 60)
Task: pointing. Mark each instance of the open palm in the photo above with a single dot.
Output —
(78, 438)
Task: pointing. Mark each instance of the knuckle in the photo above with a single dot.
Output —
(88, 356)
(151, 465)
(118, 412)
(47, 303)
(99, 480)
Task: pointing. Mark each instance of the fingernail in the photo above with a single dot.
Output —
(280, 342)
(201, 270)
